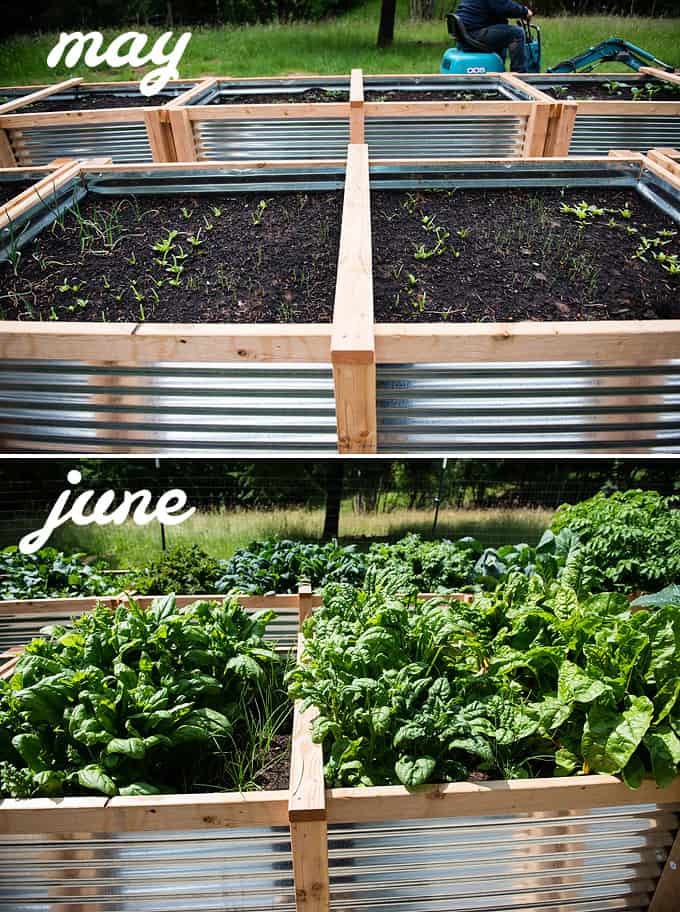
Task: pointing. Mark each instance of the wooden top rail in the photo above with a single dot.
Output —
(134, 343)
(247, 165)
(479, 108)
(623, 341)
(518, 83)
(141, 813)
(39, 94)
(39, 192)
(356, 88)
(202, 86)
(661, 74)
(288, 602)
(468, 799)
(279, 111)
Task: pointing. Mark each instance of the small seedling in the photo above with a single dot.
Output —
(257, 216)
(185, 213)
(196, 240)
(216, 211)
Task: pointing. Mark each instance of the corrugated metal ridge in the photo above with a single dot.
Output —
(607, 858)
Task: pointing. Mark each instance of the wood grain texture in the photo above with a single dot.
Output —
(134, 343)
(467, 799)
(37, 95)
(307, 801)
(626, 342)
(309, 843)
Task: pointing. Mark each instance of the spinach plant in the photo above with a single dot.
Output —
(130, 701)
(51, 574)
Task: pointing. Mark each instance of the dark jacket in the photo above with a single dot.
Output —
(479, 14)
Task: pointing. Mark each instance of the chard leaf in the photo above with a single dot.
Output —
(412, 771)
(634, 772)
(574, 685)
(668, 596)
(664, 749)
(566, 762)
(610, 738)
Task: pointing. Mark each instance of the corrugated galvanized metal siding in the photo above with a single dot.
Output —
(563, 407)
(18, 629)
(597, 134)
(445, 137)
(234, 140)
(212, 871)
(168, 408)
(123, 142)
(604, 860)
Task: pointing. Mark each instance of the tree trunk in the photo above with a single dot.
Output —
(388, 12)
(334, 478)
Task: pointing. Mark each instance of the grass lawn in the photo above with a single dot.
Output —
(337, 45)
(220, 533)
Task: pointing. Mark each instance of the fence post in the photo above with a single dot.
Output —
(665, 898)
(182, 134)
(560, 129)
(353, 337)
(307, 801)
(7, 158)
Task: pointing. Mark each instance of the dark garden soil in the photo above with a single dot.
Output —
(309, 96)
(10, 189)
(94, 102)
(419, 95)
(516, 255)
(276, 765)
(610, 90)
(240, 258)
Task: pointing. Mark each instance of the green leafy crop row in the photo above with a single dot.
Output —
(134, 702)
(50, 574)
(536, 678)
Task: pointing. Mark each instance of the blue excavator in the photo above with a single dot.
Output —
(472, 57)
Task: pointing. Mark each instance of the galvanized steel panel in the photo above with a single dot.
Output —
(123, 142)
(498, 136)
(233, 140)
(587, 861)
(190, 408)
(597, 134)
(249, 870)
(561, 407)
(18, 629)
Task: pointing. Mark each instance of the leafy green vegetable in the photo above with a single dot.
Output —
(51, 574)
(185, 569)
(630, 539)
(536, 678)
(133, 701)
(278, 565)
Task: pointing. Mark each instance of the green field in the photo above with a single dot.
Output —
(220, 533)
(337, 45)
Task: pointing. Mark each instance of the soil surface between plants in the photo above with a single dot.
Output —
(10, 189)
(590, 91)
(438, 95)
(516, 255)
(276, 765)
(251, 257)
(309, 96)
(94, 102)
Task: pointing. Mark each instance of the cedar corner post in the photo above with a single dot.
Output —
(356, 107)
(353, 337)
(307, 798)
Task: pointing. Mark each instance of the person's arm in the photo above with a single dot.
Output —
(508, 9)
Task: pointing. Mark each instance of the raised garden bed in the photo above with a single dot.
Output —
(454, 116)
(607, 111)
(250, 361)
(213, 847)
(241, 119)
(570, 842)
(75, 119)
(483, 383)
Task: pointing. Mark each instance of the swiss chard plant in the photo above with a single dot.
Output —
(187, 569)
(130, 701)
(537, 678)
